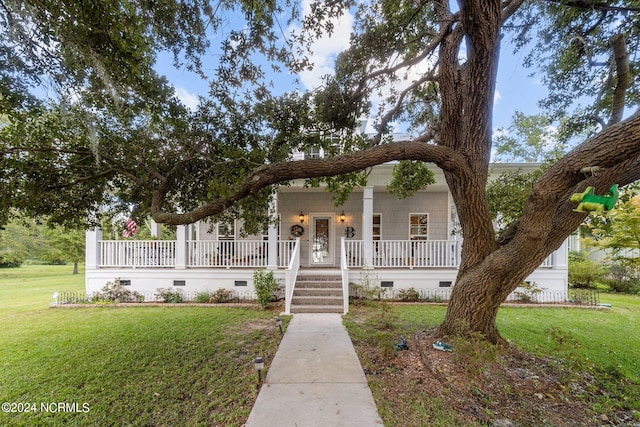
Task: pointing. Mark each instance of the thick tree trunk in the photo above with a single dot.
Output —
(75, 267)
(483, 284)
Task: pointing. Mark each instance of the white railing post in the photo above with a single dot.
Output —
(93, 238)
(181, 247)
(272, 234)
(367, 227)
(344, 269)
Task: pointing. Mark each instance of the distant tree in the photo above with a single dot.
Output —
(528, 139)
(507, 195)
(13, 251)
(67, 245)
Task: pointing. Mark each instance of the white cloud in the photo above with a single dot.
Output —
(188, 99)
(326, 48)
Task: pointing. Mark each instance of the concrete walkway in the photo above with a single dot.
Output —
(315, 379)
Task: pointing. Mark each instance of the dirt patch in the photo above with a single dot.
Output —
(482, 386)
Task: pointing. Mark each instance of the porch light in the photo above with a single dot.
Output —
(301, 217)
(279, 323)
(258, 363)
(342, 217)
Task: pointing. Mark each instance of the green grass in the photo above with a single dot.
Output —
(130, 366)
(605, 339)
(31, 287)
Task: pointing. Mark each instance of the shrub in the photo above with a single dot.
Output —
(221, 296)
(368, 289)
(528, 292)
(623, 278)
(584, 273)
(169, 295)
(409, 295)
(10, 259)
(116, 292)
(202, 297)
(266, 286)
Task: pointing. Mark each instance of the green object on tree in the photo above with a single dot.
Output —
(590, 202)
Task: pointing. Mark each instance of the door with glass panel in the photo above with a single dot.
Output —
(321, 240)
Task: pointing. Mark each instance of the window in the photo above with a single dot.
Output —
(312, 153)
(376, 226)
(226, 231)
(419, 226)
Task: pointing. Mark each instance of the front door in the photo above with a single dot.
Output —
(321, 240)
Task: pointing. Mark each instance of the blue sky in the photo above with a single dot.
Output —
(515, 90)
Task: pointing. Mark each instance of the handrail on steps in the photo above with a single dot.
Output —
(291, 276)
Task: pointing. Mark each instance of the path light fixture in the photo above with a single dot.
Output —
(301, 217)
(342, 217)
(279, 323)
(258, 363)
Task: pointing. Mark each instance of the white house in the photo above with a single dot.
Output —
(316, 249)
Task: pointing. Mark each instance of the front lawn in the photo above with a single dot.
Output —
(567, 366)
(125, 366)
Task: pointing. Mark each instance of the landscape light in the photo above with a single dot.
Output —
(258, 363)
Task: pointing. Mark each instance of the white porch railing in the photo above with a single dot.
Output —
(201, 253)
(406, 253)
(291, 276)
(235, 253)
(137, 253)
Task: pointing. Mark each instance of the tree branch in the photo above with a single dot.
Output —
(592, 5)
(267, 175)
(389, 115)
(621, 57)
(428, 51)
(548, 204)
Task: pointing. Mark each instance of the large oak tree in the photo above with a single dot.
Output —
(115, 131)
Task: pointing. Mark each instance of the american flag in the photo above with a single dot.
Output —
(130, 228)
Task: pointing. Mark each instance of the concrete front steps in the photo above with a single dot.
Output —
(317, 293)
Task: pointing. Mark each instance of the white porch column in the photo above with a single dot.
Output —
(367, 226)
(155, 229)
(181, 247)
(92, 251)
(561, 256)
(272, 236)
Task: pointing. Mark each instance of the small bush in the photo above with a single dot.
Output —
(116, 292)
(584, 273)
(221, 296)
(266, 287)
(202, 297)
(622, 278)
(528, 292)
(409, 295)
(169, 295)
(368, 289)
